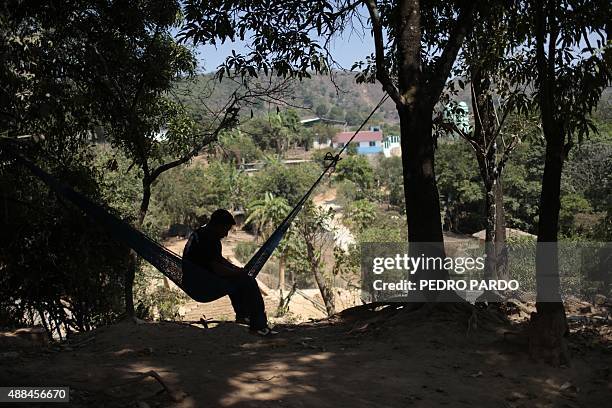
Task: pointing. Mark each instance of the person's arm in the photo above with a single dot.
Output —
(225, 268)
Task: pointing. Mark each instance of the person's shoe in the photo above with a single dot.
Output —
(243, 320)
(265, 332)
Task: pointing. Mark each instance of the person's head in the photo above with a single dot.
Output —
(221, 222)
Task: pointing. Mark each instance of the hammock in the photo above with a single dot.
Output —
(167, 262)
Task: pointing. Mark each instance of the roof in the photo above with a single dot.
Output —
(366, 136)
(325, 120)
(304, 121)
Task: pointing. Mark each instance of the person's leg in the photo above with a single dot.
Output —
(201, 285)
(249, 297)
(244, 293)
(240, 308)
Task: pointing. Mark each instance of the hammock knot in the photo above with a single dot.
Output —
(333, 160)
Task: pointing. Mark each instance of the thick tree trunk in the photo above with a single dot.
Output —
(548, 327)
(417, 90)
(547, 261)
(415, 113)
(420, 189)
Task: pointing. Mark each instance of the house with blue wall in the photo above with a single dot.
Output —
(368, 142)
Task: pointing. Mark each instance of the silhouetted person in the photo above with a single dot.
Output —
(217, 277)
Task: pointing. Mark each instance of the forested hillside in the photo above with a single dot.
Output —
(340, 99)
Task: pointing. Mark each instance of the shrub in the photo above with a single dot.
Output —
(347, 192)
(361, 214)
(57, 265)
(155, 303)
(245, 250)
(239, 147)
(356, 169)
(161, 304)
(289, 183)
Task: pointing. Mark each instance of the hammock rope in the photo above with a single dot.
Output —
(167, 262)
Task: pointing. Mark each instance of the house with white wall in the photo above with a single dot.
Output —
(392, 146)
(320, 142)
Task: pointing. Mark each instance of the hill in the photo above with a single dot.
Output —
(340, 99)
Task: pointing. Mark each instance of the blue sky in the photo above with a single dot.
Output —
(346, 50)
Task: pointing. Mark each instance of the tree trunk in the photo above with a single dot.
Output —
(490, 182)
(501, 250)
(415, 113)
(326, 293)
(133, 260)
(493, 251)
(547, 261)
(418, 89)
(281, 272)
(491, 209)
(421, 190)
(548, 327)
(485, 132)
(130, 273)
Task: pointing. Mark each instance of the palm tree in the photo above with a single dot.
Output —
(270, 160)
(267, 214)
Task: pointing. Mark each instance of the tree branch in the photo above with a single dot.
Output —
(347, 8)
(449, 54)
(141, 82)
(230, 115)
(506, 154)
(382, 75)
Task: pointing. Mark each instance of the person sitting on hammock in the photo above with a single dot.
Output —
(203, 249)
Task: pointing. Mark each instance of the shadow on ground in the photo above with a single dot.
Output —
(390, 358)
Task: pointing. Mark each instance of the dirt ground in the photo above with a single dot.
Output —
(361, 358)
